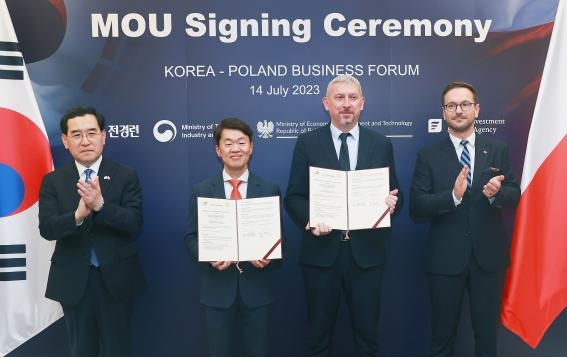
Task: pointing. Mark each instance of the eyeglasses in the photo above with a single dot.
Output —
(91, 135)
(452, 107)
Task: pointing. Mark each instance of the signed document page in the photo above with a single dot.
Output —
(239, 230)
(217, 229)
(259, 228)
(367, 192)
(328, 197)
(349, 200)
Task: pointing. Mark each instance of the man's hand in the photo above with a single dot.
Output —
(391, 200)
(82, 211)
(90, 193)
(221, 265)
(461, 183)
(320, 229)
(261, 263)
(493, 186)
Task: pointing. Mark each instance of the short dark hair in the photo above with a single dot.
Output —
(459, 84)
(232, 123)
(79, 112)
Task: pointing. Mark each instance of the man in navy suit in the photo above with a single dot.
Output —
(333, 260)
(467, 246)
(234, 294)
(93, 208)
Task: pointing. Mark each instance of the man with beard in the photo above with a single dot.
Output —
(461, 184)
(335, 261)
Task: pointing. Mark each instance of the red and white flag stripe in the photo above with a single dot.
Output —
(536, 284)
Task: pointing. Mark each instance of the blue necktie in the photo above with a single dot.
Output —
(466, 160)
(94, 259)
(344, 160)
(88, 174)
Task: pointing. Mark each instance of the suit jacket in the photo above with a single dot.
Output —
(315, 148)
(218, 288)
(111, 231)
(475, 225)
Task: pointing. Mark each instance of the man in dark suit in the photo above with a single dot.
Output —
(333, 260)
(234, 294)
(93, 208)
(461, 184)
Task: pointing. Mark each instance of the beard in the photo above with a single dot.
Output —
(462, 126)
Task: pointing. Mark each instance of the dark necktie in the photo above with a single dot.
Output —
(88, 174)
(466, 160)
(94, 259)
(235, 194)
(344, 160)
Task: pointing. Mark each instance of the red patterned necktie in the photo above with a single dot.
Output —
(235, 194)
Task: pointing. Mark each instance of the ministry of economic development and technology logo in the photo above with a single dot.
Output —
(165, 131)
(265, 129)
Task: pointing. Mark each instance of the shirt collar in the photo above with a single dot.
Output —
(354, 132)
(95, 166)
(457, 141)
(244, 177)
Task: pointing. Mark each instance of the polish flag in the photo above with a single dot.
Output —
(536, 283)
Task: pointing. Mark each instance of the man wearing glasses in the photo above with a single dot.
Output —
(461, 184)
(93, 208)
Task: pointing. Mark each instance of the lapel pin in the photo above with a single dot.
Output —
(485, 152)
(106, 177)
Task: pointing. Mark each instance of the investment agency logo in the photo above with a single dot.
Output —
(265, 129)
(165, 131)
(434, 125)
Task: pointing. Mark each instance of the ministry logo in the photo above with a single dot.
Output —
(265, 129)
(165, 131)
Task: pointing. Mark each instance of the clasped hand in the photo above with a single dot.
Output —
(222, 265)
(489, 190)
(91, 198)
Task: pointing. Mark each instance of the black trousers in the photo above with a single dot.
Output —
(362, 290)
(238, 330)
(99, 325)
(485, 296)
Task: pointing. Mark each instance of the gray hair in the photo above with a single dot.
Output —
(345, 78)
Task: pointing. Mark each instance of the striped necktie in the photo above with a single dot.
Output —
(94, 259)
(466, 160)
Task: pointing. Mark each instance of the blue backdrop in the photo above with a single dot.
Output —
(163, 83)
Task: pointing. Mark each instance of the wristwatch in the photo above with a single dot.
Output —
(100, 207)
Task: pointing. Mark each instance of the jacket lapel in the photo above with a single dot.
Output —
(217, 187)
(449, 156)
(481, 161)
(363, 149)
(70, 178)
(327, 150)
(253, 190)
(105, 175)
